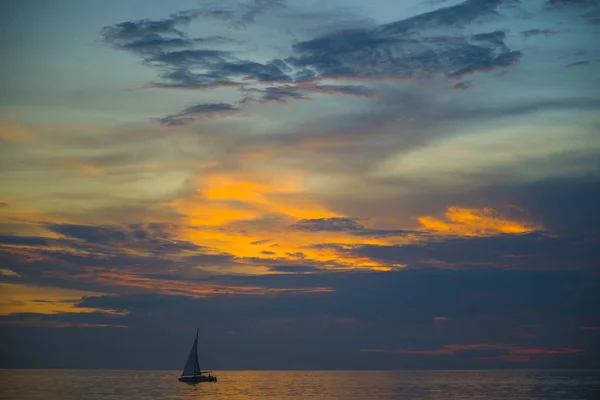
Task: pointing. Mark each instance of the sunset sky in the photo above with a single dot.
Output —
(314, 184)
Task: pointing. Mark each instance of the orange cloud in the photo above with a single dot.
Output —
(475, 222)
(15, 133)
(21, 298)
(194, 289)
(8, 272)
(232, 212)
(79, 166)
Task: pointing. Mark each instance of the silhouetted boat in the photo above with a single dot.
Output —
(191, 372)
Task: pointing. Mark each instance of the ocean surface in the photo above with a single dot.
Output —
(234, 385)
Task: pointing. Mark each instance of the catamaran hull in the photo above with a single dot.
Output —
(197, 379)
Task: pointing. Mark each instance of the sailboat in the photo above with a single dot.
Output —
(191, 372)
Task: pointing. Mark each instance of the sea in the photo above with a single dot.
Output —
(239, 385)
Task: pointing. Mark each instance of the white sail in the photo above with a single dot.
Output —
(192, 367)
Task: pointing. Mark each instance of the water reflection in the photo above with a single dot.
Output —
(241, 385)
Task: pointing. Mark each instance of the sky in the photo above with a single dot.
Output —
(332, 184)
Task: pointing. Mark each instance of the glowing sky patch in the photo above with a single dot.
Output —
(23, 298)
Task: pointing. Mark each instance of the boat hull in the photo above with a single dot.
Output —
(197, 379)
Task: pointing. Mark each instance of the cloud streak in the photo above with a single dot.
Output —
(199, 112)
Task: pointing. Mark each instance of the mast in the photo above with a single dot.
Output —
(197, 365)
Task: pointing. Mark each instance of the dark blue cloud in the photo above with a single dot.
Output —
(93, 234)
(186, 58)
(249, 11)
(268, 72)
(152, 237)
(422, 46)
(258, 242)
(538, 32)
(578, 63)
(526, 251)
(464, 85)
(347, 225)
(326, 224)
(298, 269)
(571, 3)
(414, 47)
(79, 258)
(370, 54)
(14, 240)
(148, 36)
(210, 260)
(283, 93)
(164, 44)
(198, 112)
(458, 15)
(183, 78)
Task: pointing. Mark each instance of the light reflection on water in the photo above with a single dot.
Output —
(240, 385)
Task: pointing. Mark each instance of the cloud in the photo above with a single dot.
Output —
(571, 3)
(262, 241)
(189, 58)
(8, 272)
(302, 91)
(253, 9)
(475, 222)
(205, 111)
(464, 85)
(155, 238)
(164, 45)
(14, 240)
(523, 251)
(326, 224)
(275, 95)
(296, 269)
(12, 132)
(538, 32)
(418, 47)
(160, 36)
(578, 64)
(183, 78)
(349, 226)
(369, 55)
(456, 15)
(411, 48)
(148, 36)
(22, 297)
(209, 259)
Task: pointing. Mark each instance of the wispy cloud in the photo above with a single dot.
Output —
(422, 46)
(198, 112)
(538, 32)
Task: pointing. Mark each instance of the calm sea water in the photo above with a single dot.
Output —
(238, 385)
